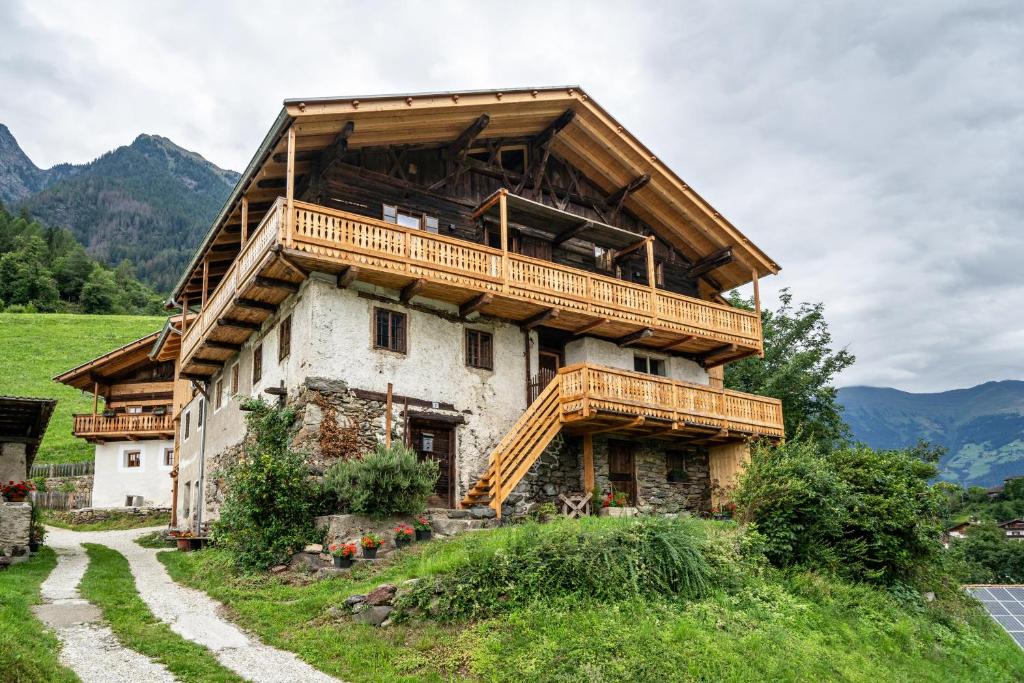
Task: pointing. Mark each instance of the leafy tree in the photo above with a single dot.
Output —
(24, 276)
(985, 555)
(99, 291)
(798, 367)
(71, 271)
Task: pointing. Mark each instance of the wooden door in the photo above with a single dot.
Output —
(436, 442)
(622, 468)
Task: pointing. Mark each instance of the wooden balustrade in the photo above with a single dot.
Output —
(123, 423)
(633, 393)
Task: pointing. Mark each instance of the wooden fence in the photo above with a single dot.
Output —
(55, 500)
(64, 469)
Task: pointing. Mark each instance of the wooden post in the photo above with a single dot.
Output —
(387, 419)
(757, 306)
(206, 281)
(406, 436)
(503, 217)
(290, 189)
(588, 466)
(651, 277)
(184, 313)
(95, 400)
(245, 220)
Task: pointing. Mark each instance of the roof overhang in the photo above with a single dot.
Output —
(593, 141)
(24, 420)
(132, 355)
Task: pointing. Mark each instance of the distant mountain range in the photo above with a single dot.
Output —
(983, 427)
(149, 202)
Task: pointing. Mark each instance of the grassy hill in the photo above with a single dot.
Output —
(983, 427)
(35, 347)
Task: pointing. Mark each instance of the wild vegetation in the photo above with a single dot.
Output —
(384, 482)
(35, 347)
(46, 269)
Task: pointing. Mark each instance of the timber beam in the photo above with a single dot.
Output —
(458, 148)
(555, 127)
(276, 283)
(590, 327)
(255, 305)
(710, 262)
(475, 304)
(239, 324)
(625, 251)
(634, 337)
(707, 359)
(569, 233)
(347, 276)
(618, 198)
(208, 362)
(194, 377)
(411, 290)
(539, 319)
(677, 343)
(226, 346)
(632, 424)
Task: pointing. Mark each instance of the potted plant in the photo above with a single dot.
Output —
(403, 535)
(370, 543)
(16, 491)
(616, 504)
(423, 529)
(343, 553)
(724, 511)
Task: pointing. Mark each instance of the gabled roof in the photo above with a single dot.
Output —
(593, 141)
(1010, 521)
(24, 420)
(132, 355)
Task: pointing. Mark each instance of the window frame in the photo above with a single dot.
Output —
(393, 213)
(284, 338)
(484, 361)
(168, 463)
(137, 452)
(404, 330)
(257, 364)
(234, 379)
(648, 361)
(218, 394)
(187, 427)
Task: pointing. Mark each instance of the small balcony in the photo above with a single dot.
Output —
(288, 245)
(123, 427)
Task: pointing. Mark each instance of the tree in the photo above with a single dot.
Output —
(798, 367)
(985, 555)
(99, 291)
(25, 278)
(71, 271)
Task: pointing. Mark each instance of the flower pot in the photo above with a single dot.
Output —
(402, 543)
(33, 546)
(342, 562)
(618, 512)
(370, 553)
(184, 545)
(15, 497)
(423, 534)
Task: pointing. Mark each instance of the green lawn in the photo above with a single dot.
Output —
(778, 626)
(115, 521)
(36, 346)
(108, 583)
(28, 652)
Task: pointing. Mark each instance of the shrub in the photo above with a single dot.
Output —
(269, 507)
(385, 482)
(40, 483)
(602, 559)
(866, 514)
(985, 555)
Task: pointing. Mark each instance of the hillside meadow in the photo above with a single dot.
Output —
(36, 346)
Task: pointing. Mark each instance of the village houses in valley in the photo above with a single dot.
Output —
(533, 293)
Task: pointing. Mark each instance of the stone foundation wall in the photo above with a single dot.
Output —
(15, 522)
(83, 484)
(86, 515)
(558, 470)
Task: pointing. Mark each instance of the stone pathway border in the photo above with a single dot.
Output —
(192, 614)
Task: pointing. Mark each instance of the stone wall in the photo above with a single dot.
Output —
(82, 484)
(15, 522)
(87, 515)
(557, 470)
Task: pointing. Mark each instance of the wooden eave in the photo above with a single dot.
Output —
(24, 420)
(101, 369)
(603, 150)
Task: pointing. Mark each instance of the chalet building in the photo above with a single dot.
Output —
(533, 293)
(131, 423)
(1014, 529)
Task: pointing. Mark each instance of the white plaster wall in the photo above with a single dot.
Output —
(113, 481)
(602, 352)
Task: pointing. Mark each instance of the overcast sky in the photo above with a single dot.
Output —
(875, 150)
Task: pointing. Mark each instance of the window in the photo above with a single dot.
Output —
(257, 363)
(648, 365)
(132, 459)
(388, 330)
(234, 379)
(202, 413)
(219, 394)
(479, 349)
(284, 339)
(188, 424)
(392, 214)
(134, 410)
(675, 467)
(188, 498)
(168, 457)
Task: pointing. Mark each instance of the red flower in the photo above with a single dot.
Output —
(403, 532)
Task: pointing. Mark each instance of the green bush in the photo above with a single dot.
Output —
(385, 482)
(868, 515)
(601, 559)
(270, 504)
(985, 555)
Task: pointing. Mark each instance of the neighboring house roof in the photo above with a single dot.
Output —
(24, 420)
(1011, 521)
(168, 341)
(958, 527)
(132, 355)
(593, 141)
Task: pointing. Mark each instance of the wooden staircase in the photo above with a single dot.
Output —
(519, 449)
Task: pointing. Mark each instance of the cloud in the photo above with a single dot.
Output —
(876, 151)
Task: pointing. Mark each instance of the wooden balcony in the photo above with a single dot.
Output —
(608, 400)
(287, 245)
(123, 427)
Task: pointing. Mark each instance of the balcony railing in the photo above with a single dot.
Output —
(123, 424)
(590, 388)
(385, 249)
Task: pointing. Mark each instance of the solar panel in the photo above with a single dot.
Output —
(1005, 604)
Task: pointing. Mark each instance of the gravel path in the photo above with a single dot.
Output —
(89, 648)
(192, 614)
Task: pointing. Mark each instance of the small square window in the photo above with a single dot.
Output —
(202, 413)
(390, 213)
(188, 424)
(257, 363)
(168, 457)
(234, 379)
(430, 224)
(134, 410)
(648, 365)
(675, 467)
(284, 339)
(132, 459)
(479, 349)
(389, 330)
